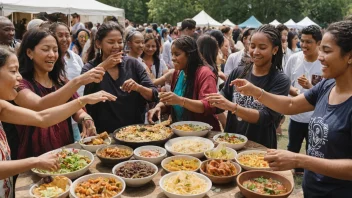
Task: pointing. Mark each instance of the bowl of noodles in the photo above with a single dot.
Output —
(190, 128)
(142, 134)
(190, 145)
(252, 160)
(185, 184)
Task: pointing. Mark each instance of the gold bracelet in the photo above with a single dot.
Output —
(80, 102)
(262, 92)
(235, 111)
(184, 101)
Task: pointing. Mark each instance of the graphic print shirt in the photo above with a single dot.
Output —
(330, 137)
(264, 131)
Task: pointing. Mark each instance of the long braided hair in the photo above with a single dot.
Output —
(276, 62)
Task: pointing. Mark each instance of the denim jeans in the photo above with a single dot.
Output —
(297, 131)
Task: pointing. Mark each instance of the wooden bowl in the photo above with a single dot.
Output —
(220, 179)
(266, 174)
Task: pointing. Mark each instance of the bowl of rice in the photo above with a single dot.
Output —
(190, 145)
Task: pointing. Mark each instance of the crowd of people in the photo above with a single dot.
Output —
(60, 84)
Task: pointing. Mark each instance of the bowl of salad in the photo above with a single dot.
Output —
(73, 163)
(191, 128)
(221, 152)
(58, 186)
(264, 184)
(153, 154)
(232, 140)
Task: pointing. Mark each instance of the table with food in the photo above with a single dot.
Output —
(185, 159)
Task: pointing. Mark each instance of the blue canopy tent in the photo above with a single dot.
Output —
(252, 22)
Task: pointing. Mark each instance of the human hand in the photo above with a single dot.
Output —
(170, 98)
(280, 160)
(304, 82)
(156, 111)
(94, 75)
(48, 161)
(219, 101)
(97, 97)
(130, 85)
(112, 60)
(88, 127)
(246, 88)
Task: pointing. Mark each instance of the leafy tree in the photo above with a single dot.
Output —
(135, 10)
(321, 11)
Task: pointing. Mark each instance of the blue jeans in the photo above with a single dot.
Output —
(297, 131)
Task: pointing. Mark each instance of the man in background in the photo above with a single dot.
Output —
(76, 23)
(7, 34)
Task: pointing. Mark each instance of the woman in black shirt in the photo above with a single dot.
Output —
(246, 115)
(125, 78)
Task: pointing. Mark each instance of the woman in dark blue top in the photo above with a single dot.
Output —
(328, 165)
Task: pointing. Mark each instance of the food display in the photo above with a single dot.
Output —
(265, 186)
(115, 152)
(70, 161)
(52, 188)
(135, 170)
(231, 139)
(221, 152)
(190, 127)
(190, 146)
(220, 168)
(254, 160)
(185, 183)
(149, 153)
(143, 133)
(99, 187)
(98, 140)
(182, 164)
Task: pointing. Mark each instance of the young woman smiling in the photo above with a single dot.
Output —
(191, 81)
(246, 115)
(44, 85)
(125, 78)
(9, 82)
(155, 66)
(328, 164)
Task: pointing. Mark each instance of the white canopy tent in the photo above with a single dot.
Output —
(228, 23)
(306, 22)
(204, 20)
(291, 24)
(82, 7)
(275, 23)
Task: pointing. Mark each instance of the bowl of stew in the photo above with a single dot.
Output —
(264, 184)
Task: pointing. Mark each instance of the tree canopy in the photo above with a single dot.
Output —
(322, 12)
